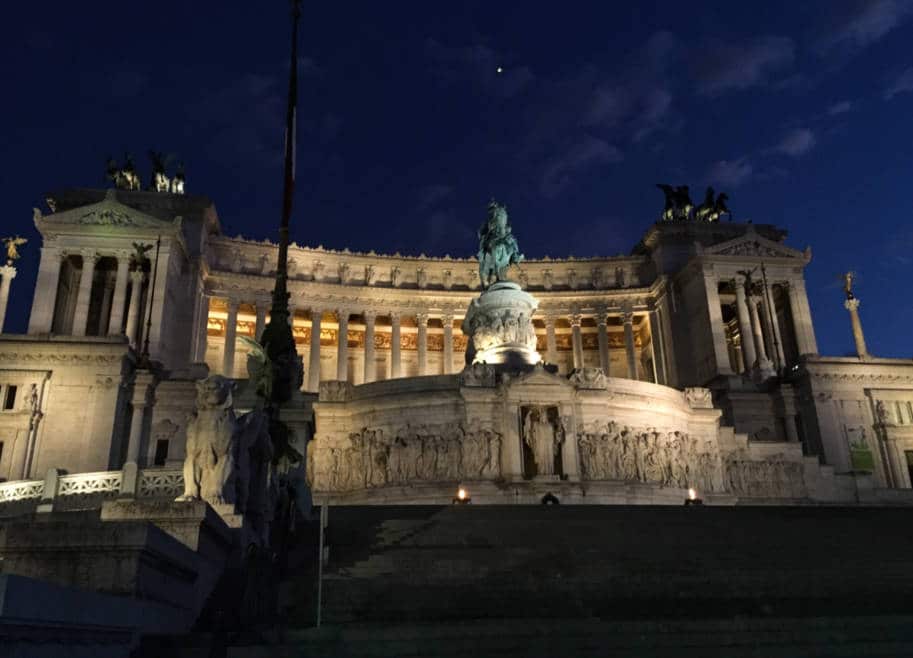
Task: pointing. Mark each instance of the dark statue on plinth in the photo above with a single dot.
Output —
(498, 248)
(679, 207)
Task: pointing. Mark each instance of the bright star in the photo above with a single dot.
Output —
(500, 70)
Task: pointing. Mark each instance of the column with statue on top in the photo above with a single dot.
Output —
(8, 273)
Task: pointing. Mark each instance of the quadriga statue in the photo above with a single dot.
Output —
(227, 458)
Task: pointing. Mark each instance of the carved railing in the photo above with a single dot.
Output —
(82, 490)
(21, 490)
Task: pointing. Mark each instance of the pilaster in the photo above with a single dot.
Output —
(83, 297)
(116, 321)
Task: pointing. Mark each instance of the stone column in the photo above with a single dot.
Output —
(104, 313)
(629, 344)
(745, 326)
(116, 323)
(715, 318)
(602, 321)
(657, 344)
(852, 305)
(133, 319)
(202, 328)
(802, 318)
(577, 340)
(231, 331)
(342, 345)
(7, 274)
(83, 297)
(421, 319)
(551, 344)
(447, 320)
(395, 345)
(763, 362)
(142, 387)
(262, 307)
(370, 363)
(45, 298)
(775, 341)
(314, 362)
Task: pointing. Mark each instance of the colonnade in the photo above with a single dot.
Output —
(760, 324)
(360, 327)
(109, 309)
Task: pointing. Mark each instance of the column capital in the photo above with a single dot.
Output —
(447, 318)
(627, 315)
(89, 255)
(137, 276)
(8, 272)
(122, 256)
(549, 320)
(851, 305)
(395, 316)
(576, 319)
(342, 314)
(370, 315)
(232, 304)
(602, 317)
(421, 319)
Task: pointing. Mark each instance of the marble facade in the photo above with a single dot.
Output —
(716, 307)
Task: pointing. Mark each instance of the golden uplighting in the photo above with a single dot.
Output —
(692, 494)
(461, 494)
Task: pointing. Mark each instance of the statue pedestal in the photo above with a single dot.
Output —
(500, 328)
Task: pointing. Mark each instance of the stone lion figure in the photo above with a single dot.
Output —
(210, 465)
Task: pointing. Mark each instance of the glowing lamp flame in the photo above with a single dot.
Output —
(461, 494)
(692, 494)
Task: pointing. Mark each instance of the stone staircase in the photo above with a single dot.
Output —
(599, 581)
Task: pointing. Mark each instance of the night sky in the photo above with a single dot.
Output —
(801, 112)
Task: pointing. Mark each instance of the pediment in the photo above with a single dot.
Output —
(753, 245)
(109, 212)
(539, 376)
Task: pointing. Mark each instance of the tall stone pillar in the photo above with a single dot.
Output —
(231, 332)
(629, 344)
(116, 322)
(83, 297)
(370, 363)
(142, 390)
(396, 367)
(715, 318)
(657, 344)
(314, 362)
(852, 305)
(421, 319)
(602, 321)
(745, 327)
(775, 341)
(7, 274)
(342, 345)
(447, 320)
(202, 328)
(551, 344)
(104, 312)
(133, 319)
(45, 298)
(262, 308)
(802, 318)
(577, 340)
(764, 366)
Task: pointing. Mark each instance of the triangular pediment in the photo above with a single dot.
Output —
(107, 213)
(752, 244)
(539, 376)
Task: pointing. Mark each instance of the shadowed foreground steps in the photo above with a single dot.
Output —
(588, 580)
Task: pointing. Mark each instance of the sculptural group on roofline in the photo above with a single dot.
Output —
(125, 177)
(679, 207)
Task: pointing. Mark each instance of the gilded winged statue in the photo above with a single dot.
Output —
(12, 248)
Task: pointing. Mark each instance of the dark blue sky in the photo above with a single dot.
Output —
(802, 112)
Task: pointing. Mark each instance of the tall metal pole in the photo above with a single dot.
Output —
(277, 338)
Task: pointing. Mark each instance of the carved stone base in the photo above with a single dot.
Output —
(500, 328)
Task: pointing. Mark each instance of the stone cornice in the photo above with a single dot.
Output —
(32, 351)
(871, 372)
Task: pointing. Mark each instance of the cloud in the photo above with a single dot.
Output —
(861, 23)
(796, 143)
(731, 173)
(585, 154)
(902, 84)
(736, 66)
(841, 107)
(431, 195)
(478, 64)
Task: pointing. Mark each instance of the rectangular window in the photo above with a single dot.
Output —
(161, 452)
(9, 398)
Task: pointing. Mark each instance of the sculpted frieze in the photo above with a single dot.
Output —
(373, 457)
(588, 378)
